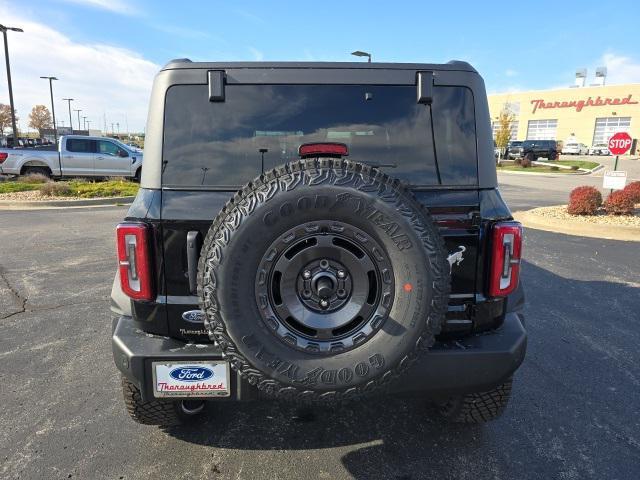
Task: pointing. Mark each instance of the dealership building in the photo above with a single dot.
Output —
(585, 114)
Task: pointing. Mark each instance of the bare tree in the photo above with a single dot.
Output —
(5, 117)
(503, 135)
(40, 118)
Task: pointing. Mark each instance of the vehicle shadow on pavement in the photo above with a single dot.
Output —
(381, 434)
(594, 330)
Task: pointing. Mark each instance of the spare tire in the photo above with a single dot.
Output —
(322, 280)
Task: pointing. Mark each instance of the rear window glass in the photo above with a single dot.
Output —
(80, 145)
(222, 144)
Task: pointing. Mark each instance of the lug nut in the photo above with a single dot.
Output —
(324, 303)
(306, 274)
(341, 274)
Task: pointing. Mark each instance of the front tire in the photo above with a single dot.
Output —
(478, 407)
(163, 413)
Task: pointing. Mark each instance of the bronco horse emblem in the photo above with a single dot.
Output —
(456, 257)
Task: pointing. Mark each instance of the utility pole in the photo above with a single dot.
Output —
(118, 128)
(69, 100)
(112, 130)
(53, 108)
(88, 124)
(78, 112)
(6, 57)
(84, 120)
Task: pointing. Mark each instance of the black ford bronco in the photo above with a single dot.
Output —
(317, 233)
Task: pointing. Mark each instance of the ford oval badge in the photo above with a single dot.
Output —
(193, 316)
(191, 374)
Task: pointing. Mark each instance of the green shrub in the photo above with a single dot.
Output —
(554, 168)
(10, 187)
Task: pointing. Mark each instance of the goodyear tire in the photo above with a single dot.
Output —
(322, 280)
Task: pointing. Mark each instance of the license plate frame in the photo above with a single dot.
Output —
(200, 379)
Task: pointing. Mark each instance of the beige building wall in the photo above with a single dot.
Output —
(575, 109)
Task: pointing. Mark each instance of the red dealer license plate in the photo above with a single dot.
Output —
(190, 379)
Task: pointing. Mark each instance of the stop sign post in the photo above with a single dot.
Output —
(619, 144)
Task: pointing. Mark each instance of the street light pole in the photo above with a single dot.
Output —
(84, 120)
(6, 57)
(69, 100)
(53, 108)
(78, 112)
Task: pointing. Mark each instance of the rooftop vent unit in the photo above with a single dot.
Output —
(601, 76)
(581, 76)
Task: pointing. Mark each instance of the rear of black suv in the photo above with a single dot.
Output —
(317, 233)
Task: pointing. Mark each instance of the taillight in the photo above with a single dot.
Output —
(134, 260)
(326, 149)
(505, 258)
(3, 156)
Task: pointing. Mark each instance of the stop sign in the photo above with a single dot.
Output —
(620, 143)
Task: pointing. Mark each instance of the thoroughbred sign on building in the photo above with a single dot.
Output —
(589, 115)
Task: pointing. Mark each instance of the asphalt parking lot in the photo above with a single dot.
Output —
(575, 412)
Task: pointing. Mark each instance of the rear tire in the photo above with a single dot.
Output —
(477, 407)
(164, 413)
(37, 170)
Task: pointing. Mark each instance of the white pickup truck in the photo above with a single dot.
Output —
(77, 156)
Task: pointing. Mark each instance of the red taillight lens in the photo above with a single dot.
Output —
(323, 149)
(505, 258)
(134, 260)
(3, 156)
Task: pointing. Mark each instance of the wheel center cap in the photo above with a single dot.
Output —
(324, 285)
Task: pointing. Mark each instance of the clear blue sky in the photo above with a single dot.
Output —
(514, 47)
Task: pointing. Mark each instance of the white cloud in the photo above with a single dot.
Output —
(621, 69)
(258, 56)
(104, 79)
(116, 6)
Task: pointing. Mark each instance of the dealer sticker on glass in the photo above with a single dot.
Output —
(194, 379)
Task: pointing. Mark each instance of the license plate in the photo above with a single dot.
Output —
(192, 379)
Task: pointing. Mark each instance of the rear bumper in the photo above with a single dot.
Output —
(473, 364)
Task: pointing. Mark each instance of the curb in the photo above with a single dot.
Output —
(591, 230)
(88, 202)
(580, 171)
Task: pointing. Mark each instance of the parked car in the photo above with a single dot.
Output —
(76, 156)
(534, 149)
(599, 149)
(310, 271)
(575, 149)
(514, 149)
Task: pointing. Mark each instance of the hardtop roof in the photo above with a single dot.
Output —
(452, 65)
